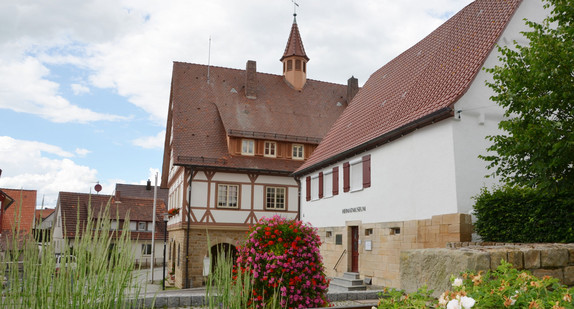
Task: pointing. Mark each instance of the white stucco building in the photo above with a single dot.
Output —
(399, 168)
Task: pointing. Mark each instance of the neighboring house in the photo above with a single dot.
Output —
(17, 207)
(43, 224)
(139, 212)
(233, 139)
(399, 168)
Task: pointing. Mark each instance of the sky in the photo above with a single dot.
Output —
(84, 85)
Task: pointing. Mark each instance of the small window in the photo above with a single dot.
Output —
(247, 147)
(289, 65)
(304, 68)
(270, 149)
(329, 234)
(297, 152)
(315, 187)
(328, 184)
(297, 65)
(146, 249)
(339, 239)
(368, 232)
(142, 226)
(227, 196)
(275, 198)
(395, 230)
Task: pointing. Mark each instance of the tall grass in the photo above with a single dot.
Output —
(101, 277)
(227, 288)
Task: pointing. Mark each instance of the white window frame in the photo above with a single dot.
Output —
(248, 147)
(146, 249)
(356, 175)
(298, 152)
(315, 187)
(274, 204)
(140, 226)
(228, 203)
(328, 184)
(270, 149)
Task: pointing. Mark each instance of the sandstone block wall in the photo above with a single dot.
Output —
(380, 244)
(434, 267)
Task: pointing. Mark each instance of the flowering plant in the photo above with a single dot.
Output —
(173, 211)
(283, 257)
(506, 287)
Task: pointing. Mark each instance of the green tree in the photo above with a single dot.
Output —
(535, 84)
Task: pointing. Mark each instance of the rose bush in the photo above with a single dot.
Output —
(282, 255)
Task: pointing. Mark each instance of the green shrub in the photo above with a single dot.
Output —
(524, 215)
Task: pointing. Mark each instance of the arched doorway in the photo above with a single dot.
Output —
(225, 250)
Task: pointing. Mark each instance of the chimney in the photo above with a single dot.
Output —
(148, 186)
(352, 88)
(251, 80)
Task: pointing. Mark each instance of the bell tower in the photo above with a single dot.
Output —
(294, 59)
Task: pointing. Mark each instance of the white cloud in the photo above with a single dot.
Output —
(79, 89)
(24, 89)
(82, 152)
(150, 142)
(42, 167)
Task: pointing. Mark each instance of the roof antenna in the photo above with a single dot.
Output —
(208, 58)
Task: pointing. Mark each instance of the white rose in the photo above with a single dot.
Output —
(453, 304)
(467, 302)
(457, 282)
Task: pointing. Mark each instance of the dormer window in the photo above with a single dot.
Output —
(247, 147)
(298, 152)
(270, 149)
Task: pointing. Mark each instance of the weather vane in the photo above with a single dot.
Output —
(295, 5)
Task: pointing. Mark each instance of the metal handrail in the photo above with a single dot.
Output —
(339, 260)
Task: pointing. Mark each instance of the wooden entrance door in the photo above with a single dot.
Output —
(355, 249)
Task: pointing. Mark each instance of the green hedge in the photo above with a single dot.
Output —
(524, 215)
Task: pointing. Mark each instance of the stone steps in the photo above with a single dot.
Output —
(349, 282)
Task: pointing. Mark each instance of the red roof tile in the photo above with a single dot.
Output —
(20, 215)
(419, 85)
(203, 114)
(75, 205)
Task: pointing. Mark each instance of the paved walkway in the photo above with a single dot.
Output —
(195, 297)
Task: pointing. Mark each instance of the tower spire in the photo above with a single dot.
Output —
(294, 58)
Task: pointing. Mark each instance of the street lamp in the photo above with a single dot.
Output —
(165, 219)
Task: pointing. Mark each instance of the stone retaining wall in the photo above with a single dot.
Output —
(434, 267)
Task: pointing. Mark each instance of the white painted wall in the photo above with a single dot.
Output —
(434, 170)
(411, 178)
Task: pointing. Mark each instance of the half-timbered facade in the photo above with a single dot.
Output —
(233, 138)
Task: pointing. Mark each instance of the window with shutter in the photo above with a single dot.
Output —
(346, 182)
(320, 185)
(367, 171)
(308, 188)
(335, 180)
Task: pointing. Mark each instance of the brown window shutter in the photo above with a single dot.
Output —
(321, 185)
(308, 188)
(346, 182)
(367, 171)
(335, 180)
(238, 144)
(259, 146)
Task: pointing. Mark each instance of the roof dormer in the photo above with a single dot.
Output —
(294, 59)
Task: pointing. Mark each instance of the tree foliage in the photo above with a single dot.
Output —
(535, 84)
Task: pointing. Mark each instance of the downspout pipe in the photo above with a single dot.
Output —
(186, 284)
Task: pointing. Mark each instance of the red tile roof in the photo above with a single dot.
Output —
(203, 114)
(75, 205)
(20, 215)
(294, 43)
(417, 87)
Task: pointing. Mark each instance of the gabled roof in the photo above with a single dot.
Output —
(203, 114)
(74, 206)
(127, 190)
(294, 43)
(417, 87)
(42, 214)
